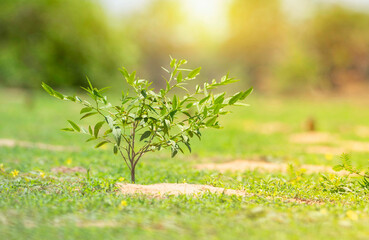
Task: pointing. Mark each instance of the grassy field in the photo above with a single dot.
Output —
(41, 204)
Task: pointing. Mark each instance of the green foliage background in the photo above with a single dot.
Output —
(60, 42)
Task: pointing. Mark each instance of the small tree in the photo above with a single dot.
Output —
(149, 121)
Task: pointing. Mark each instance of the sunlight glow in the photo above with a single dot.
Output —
(211, 14)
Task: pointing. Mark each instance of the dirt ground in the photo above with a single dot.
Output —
(44, 146)
(64, 169)
(175, 189)
(312, 137)
(315, 141)
(163, 189)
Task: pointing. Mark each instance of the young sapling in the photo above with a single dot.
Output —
(149, 120)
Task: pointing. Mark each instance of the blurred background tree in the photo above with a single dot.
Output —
(340, 39)
(58, 41)
(259, 42)
(157, 35)
(256, 36)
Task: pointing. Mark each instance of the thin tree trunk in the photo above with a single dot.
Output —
(133, 174)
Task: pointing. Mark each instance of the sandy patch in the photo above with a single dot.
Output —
(357, 146)
(243, 165)
(44, 146)
(98, 224)
(312, 137)
(362, 131)
(63, 169)
(345, 147)
(306, 201)
(324, 138)
(162, 189)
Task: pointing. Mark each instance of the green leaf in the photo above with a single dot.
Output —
(205, 112)
(131, 78)
(175, 102)
(90, 130)
(224, 78)
(168, 85)
(101, 144)
(145, 135)
(338, 168)
(211, 121)
(179, 77)
(241, 104)
(174, 152)
(68, 129)
(235, 98)
(110, 122)
(89, 82)
(173, 62)
(48, 89)
(124, 72)
(187, 114)
(143, 92)
(181, 87)
(166, 125)
(90, 139)
(189, 105)
(217, 108)
(198, 134)
(172, 114)
(103, 89)
(117, 133)
(188, 146)
(194, 73)
(97, 128)
(59, 95)
(107, 132)
(204, 99)
(75, 126)
(246, 93)
(96, 93)
(219, 99)
(190, 133)
(183, 61)
(73, 99)
(152, 109)
(88, 115)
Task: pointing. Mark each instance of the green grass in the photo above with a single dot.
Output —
(77, 206)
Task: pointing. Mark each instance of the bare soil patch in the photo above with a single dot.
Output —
(44, 146)
(362, 131)
(98, 224)
(324, 138)
(162, 189)
(306, 201)
(312, 137)
(357, 146)
(243, 165)
(63, 169)
(346, 146)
